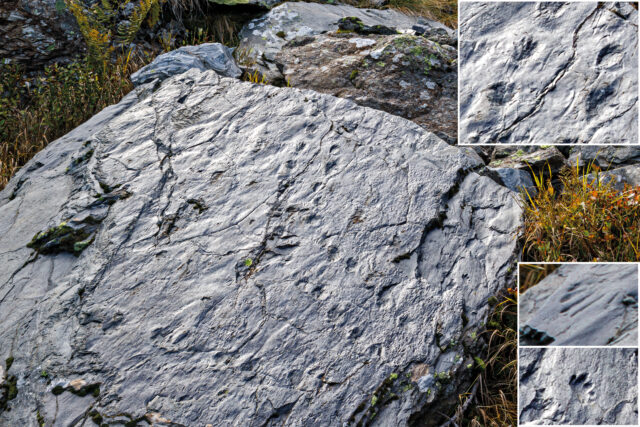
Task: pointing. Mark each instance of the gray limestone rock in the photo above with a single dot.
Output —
(604, 157)
(516, 179)
(281, 255)
(578, 386)
(548, 73)
(582, 304)
(207, 56)
(620, 177)
(262, 38)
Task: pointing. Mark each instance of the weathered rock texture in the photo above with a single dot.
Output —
(548, 73)
(207, 56)
(406, 75)
(578, 386)
(582, 304)
(250, 255)
(262, 38)
(36, 32)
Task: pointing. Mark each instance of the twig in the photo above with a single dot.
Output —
(463, 408)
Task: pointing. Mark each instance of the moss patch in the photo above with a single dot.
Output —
(62, 238)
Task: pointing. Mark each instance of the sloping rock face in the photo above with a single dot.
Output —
(262, 38)
(36, 32)
(215, 252)
(406, 75)
(583, 304)
(548, 73)
(579, 386)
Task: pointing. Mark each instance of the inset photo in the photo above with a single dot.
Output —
(578, 304)
(545, 73)
(578, 386)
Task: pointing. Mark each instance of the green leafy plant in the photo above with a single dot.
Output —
(101, 29)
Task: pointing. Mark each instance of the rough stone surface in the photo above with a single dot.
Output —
(36, 32)
(622, 177)
(208, 56)
(539, 159)
(604, 157)
(548, 73)
(516, 179)
(262, 38)
(281, 255)
(578, 386)
(582, 304)
(406, 75)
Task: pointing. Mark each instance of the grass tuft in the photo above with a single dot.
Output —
(585, 219)
(532, 274)
(496, 399)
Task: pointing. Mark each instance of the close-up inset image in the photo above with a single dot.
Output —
(578, 386)
(578, 305)
(548, 73)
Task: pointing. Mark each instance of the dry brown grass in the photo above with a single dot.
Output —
(585, 220)
(445, 11)
(496, 400)
(34, 112)
(532, 274)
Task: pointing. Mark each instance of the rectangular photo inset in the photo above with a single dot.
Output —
(548, 73)
(578, 304)
(578, 386)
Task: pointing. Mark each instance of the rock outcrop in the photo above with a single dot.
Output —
(548, 73)
(36, 32)
(406, 75)
(211, 251)
(382, 59)
(578, 386)
(207, 56)
(583, 304)
(262, 38)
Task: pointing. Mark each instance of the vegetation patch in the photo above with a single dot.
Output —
(580, 219)
(62, 238)
(495, 402)
(9, 388)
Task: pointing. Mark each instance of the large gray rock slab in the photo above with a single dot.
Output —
(207, 56)
(548, 73)
(582, 304)
(262, 38)
(578, 386)
(253, 256)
